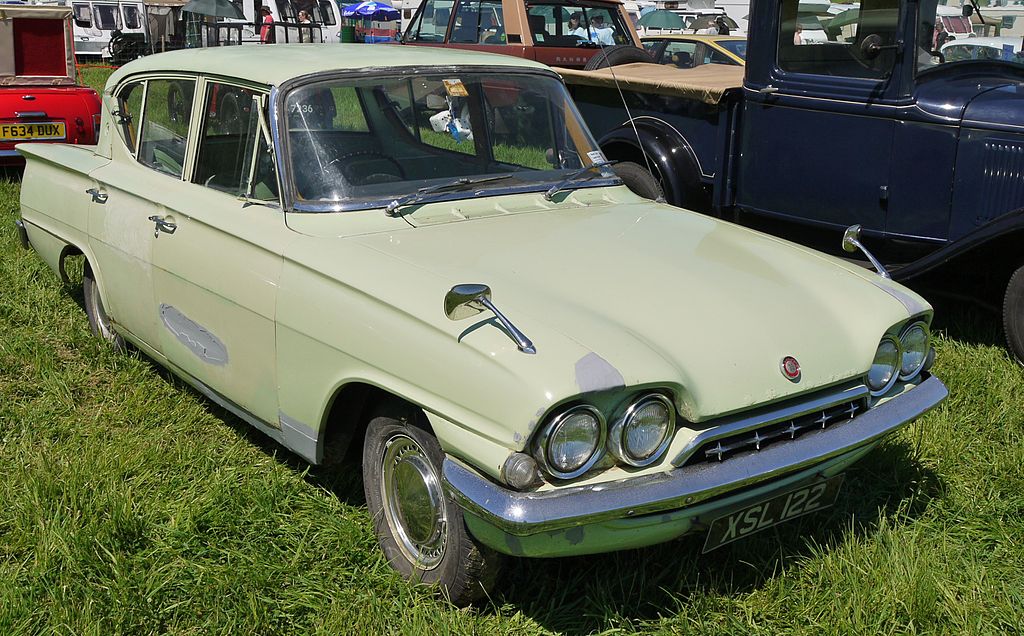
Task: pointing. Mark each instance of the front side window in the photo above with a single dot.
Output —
(401, 134)
(132, 17)
(108, 18)
(230, 129)
(165, 123)
(573, 24)
(858, 42)
(478, 22)
(83, 15)
(431, 23)
(128, 113)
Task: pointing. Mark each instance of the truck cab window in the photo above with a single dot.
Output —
(431, 23)
(857, 42)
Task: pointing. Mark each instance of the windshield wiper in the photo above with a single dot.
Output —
(457, 184)
(561, 185)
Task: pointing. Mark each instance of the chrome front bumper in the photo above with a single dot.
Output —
(526, 513)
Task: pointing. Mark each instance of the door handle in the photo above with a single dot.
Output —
(162, 225)
(98, 196)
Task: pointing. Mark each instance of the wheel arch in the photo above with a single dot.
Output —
(666, 150)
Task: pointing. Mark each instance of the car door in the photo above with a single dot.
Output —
(217, 266)
(127, 191)
(817, 135)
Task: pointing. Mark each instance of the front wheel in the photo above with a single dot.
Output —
(1013, 314)
(99, 321)
(639, 180)
(420, 529)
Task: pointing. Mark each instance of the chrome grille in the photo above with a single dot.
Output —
(754, 439)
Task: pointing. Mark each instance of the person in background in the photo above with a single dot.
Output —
(267, 30)
(575, 28)
(599, 32)
(721, 27)
(305, 27)
(798, 35)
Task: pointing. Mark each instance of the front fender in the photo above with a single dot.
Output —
(667, 150)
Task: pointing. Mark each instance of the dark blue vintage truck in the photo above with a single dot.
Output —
(871, 126)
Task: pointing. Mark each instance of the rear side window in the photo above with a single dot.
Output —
(231, 126)
(165, 124)
(680, 54)
(107, 16)
(479, 22)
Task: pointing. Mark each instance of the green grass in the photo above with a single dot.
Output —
(131, 505)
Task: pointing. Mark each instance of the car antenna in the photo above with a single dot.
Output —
(629, 114)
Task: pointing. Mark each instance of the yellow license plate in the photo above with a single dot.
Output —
(33, 131)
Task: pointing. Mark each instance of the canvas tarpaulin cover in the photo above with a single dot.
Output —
(707, 83)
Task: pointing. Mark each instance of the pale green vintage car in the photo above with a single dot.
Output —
(312, 236)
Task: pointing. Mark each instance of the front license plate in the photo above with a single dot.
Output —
(34, 131)
(771, 512)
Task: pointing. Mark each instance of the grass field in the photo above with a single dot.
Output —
(131, 505)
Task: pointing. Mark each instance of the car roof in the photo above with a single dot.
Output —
(273, 64)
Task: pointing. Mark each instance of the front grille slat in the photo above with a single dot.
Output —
(756, 438)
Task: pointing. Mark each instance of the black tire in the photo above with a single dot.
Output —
(616, 55)
(400, 455)
(1013, 314)
(99, 321)
(639, 180)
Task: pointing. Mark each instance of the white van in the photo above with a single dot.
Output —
(96, 20)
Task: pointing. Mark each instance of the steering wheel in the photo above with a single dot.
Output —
(347, 161)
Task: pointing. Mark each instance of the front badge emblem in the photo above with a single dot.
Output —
(790, 368)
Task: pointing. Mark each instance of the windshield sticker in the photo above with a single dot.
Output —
(596, 156)
(455, 88)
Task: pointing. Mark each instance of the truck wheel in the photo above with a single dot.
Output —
(1013, 314)
(639, 180)
(99, 321)
(420, 529)
(616, 55)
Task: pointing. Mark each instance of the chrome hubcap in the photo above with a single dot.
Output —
(413, 502)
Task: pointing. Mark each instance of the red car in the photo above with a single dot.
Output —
(39, 97)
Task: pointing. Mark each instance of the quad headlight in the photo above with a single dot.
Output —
(885, 368)
(642, 434)
(571, 443)
(915, 341)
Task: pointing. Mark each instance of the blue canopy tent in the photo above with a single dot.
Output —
(370, 11)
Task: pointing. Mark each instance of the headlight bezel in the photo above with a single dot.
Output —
(616, 436)
(542, 446)
(889, 337)
(911, 325)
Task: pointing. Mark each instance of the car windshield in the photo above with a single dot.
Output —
(362, 143)
(945, 40)
(575, 24)
(736, 47)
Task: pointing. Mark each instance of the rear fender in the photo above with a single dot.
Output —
(667, 151)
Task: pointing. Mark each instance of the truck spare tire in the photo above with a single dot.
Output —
(616, 55)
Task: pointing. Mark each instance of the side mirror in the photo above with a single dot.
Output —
(871, 46)
(466, 300)
(967, 10)
(851, 239)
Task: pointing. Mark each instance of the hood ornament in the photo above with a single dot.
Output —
(851, 243)
(790, 368)
(469, 299)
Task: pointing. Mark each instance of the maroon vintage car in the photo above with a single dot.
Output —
(39, 97)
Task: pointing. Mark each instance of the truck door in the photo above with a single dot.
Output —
(819, 116)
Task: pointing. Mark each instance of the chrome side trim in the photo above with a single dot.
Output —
(525, 513)
(729, 426)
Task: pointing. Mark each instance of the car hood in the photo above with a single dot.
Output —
(1000, 108)
(641, 294)
(984, 98)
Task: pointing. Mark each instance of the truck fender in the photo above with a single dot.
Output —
(669, 155)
